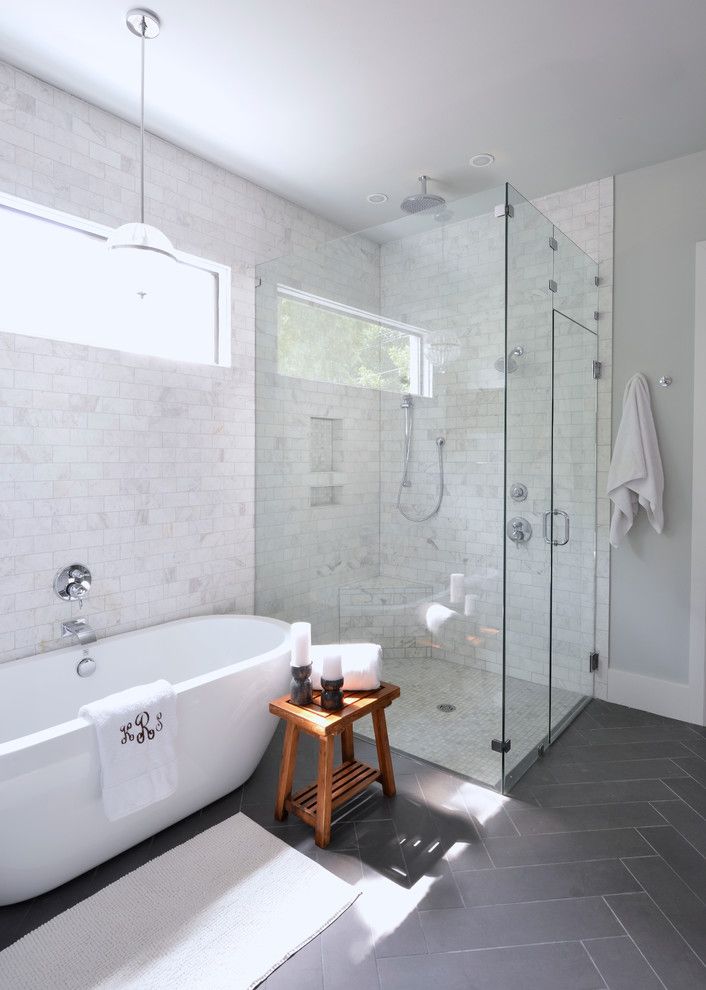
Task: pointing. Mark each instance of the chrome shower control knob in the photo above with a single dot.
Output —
(518, 492)
(518, 530)
(72, 583)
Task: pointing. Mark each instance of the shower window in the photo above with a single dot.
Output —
(58, 283)
(322, 340)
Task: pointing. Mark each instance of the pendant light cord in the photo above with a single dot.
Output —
(142, 121)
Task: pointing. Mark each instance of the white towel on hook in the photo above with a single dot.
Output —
(636, 477)
(136, 731)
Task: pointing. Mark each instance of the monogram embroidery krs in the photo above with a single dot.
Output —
(141, 723)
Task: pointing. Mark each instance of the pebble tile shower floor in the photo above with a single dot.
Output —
(591, 875)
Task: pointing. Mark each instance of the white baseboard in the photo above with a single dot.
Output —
(650, 694)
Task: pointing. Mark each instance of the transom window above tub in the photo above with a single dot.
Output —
(322, 340)
(59, 282)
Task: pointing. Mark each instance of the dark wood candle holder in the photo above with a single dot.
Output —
(331, 695)
(300, 686)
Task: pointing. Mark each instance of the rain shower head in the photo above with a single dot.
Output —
(423, 200)
(509, 364)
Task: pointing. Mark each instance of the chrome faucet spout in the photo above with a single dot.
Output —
(79, 629)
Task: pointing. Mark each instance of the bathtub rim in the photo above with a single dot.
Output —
(79, 724)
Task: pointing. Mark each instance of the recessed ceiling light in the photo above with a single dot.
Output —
(482, 161)
(377, 198)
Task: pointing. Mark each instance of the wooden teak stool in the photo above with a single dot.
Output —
(334, 786)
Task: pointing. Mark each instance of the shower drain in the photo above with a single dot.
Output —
(446, 708)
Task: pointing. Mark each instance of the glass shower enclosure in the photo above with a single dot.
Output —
(426, 469)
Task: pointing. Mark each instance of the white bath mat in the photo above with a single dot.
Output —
(223, 910)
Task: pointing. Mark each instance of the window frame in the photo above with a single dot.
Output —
(420, 370)
(222, 278)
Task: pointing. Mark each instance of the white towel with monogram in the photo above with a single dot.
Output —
(136, 731)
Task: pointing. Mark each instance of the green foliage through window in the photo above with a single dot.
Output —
(322, 343)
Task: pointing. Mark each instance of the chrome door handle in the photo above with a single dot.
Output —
(567, 528)
(548, 537)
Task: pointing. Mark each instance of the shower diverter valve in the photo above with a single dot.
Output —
(518, 530)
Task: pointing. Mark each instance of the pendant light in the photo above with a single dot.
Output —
(141, 252)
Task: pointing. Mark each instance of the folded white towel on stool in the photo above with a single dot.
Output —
(635, 477)
(136, 731)
(361, 662)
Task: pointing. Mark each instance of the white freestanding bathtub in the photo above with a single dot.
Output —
(224, 668)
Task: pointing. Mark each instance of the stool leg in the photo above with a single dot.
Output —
(286, 769)
(382, 744)
(347, 750)
(323, 792)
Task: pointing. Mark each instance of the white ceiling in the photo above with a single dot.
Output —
(325, 101)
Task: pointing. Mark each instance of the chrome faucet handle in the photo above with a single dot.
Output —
(73, 583)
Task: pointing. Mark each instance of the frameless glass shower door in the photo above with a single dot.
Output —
(550, 470)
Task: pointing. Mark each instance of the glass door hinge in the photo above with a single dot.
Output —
(500, 745)
(596, 280)
(596, 314)
(504, 210)
(258, 282)
(597, 369)
(553, 244)
(593, 662)
(553, 287)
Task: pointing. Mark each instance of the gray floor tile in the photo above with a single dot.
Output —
(498, 821)
(622, 965)
(515, 884)
(638, 733)
(695, 767)
(557, 966)
(566, 847)
(302, 971)
(685, 820)
(605, 713)
(683, 908)
(568, 773)
(673, 960)
(657, 750)
(692, 792)
(686, 862)
(697, 745)
(533, 821)
(600, 792)
(491, 926)
(349, 953)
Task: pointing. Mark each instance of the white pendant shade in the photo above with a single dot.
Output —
(141, 236)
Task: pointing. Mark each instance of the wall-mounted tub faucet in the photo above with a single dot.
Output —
(80, 629)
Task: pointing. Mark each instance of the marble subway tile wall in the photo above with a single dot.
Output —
(449, 281)
(318, 450)
(140, 467)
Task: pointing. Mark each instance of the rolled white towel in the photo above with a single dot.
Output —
(362, 663)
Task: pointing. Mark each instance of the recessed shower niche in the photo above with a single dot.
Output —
(325, 460)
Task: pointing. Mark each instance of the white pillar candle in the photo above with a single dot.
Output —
(301, 644)
(469, 604)
(332, 667)
(456, 585)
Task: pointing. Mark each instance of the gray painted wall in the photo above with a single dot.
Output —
(660, 214)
